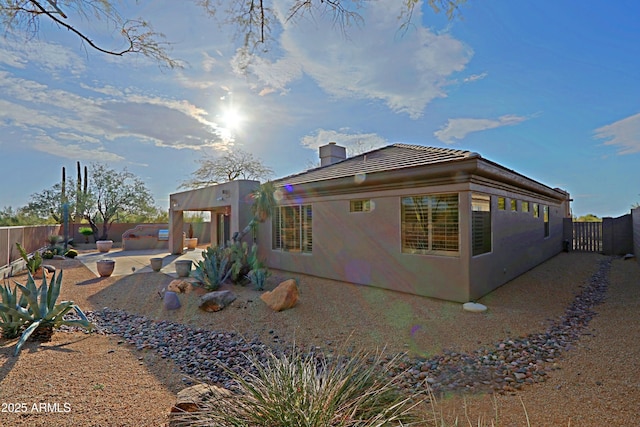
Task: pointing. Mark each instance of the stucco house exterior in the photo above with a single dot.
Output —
(435, 222)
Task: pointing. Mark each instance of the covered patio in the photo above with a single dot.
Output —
(229, 205)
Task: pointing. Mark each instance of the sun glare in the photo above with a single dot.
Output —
(232, 119)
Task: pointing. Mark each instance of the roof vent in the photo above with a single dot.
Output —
(332, 153)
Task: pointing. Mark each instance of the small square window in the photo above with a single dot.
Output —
(360, 206)
(514, 205)
(536, 211)
(502, 203)
(525, 206)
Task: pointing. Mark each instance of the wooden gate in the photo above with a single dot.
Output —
(587, 236)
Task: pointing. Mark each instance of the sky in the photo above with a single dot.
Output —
(550, 89)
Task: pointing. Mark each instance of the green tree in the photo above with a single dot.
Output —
(111, 195)
(10, 218)
(588, 218)
(115, 193)
(233, 165)
(253, 20)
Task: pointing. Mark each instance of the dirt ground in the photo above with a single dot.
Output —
(94, 380)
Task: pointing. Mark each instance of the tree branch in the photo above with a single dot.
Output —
(142, 42)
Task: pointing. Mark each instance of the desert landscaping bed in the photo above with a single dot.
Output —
(101, 380)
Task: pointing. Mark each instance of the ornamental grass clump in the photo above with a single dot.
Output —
(311, 391)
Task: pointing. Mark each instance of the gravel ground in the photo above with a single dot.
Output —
(592, 380)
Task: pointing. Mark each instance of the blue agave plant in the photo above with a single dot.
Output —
(37, 309)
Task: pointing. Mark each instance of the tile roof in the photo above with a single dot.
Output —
(391, 157)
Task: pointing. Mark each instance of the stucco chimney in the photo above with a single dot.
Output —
(332, 153)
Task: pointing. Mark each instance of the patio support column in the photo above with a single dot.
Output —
(176, 226)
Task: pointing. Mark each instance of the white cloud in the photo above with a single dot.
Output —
(625, 134)
(459, 128)
(21, 51)
(275, 76)
(81, 121)
(405, 70)
(46, 144)
(475, 77)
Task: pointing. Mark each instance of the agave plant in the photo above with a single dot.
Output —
(10, 324)
(37, 310)
(214, 269)
(258, 277)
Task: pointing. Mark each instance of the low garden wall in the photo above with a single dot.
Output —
(145, 236)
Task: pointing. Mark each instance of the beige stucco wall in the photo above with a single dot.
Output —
(518, 243)
(635, 219)
(365, 248)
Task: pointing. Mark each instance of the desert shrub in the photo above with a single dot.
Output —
(312, 391)
(48, 254)
(54, 239)
(238, 254)
(54, 244)
(71, 253)
(33, 262)
(86, 232)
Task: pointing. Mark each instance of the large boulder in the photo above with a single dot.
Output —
(284, 296)
(217, 300)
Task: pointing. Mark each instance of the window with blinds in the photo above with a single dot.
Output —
(292, 228)
(480, 224)
(430, 224)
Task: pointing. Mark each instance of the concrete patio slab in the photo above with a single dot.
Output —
(138, 261)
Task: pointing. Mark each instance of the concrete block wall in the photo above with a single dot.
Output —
(635, 222)
(617, 238)
(30, 237)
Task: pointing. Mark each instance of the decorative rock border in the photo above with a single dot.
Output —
(508, 366)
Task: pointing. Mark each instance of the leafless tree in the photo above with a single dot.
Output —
(137, 35)
(233, 165)
(253, 20)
